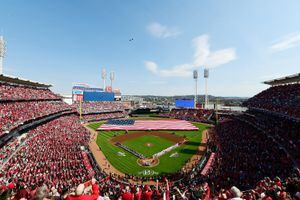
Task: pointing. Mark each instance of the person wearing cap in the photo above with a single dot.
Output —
(79, 192)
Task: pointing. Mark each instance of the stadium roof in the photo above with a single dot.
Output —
(295, 78)
(10, 79)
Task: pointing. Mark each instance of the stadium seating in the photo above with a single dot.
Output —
(284, 99)
(93, 111)
(245, 156)
(16, 113)
(255, 151)
(196, 115)
(283, 130)
(20, 92)
(102, 116)
(93, 107)
(52, 153)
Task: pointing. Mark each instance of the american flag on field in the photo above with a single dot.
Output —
(151, 125)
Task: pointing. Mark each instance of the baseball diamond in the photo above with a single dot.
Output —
(149, 100)
(189, 140)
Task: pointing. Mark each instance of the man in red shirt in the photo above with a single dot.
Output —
(80, 189)
(147, 193)
(127, 195)
(138, 194)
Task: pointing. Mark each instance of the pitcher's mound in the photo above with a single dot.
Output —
(148, 144)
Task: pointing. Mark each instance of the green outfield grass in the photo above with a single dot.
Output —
(128, 164)
(138, 144)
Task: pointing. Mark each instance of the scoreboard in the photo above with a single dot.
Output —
(184, 103)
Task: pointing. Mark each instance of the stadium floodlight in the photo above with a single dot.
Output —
(103, 75)
(112, 78)
(206, 75)
(2, 53)
(195, 76)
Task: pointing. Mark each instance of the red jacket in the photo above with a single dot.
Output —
(93, 196)
(127, 196)
(147, 195)
(138, 196)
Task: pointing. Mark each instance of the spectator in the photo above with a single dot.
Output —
(127, 195)
(79, 193)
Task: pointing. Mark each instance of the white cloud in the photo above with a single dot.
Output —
(202, 51)
(202, 57)
(180, 70)
(151, 66)
(161, 31)
(286, 42)
(220, 57)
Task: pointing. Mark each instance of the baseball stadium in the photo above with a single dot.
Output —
(98, 144)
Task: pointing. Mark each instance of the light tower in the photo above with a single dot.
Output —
(2, 53)
(195, 76)
(112, 78)
(206, 74)
(103, 75)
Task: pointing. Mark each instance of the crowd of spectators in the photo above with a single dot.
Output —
(196, 115)
(252, 151)
(8, 149)
(102, 116)
(92, 107)
(15, 113)
(245, 155)
(51, 155)
(283, 130)
(19, 92)
(95, 111)
(283, 99)
(195, 189)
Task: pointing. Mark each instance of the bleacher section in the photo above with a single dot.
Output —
(93, 107)
(257, 151)
(102, 116)
(96, 111)
(246, 155)
(41, 139)
(10, 92)
(16, 113)
(196, 115)
(283, 99)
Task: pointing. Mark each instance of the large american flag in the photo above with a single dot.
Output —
(151, 125)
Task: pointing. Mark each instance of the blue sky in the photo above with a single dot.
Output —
(62, 42)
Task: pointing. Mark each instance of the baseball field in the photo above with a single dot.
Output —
(148, 143)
